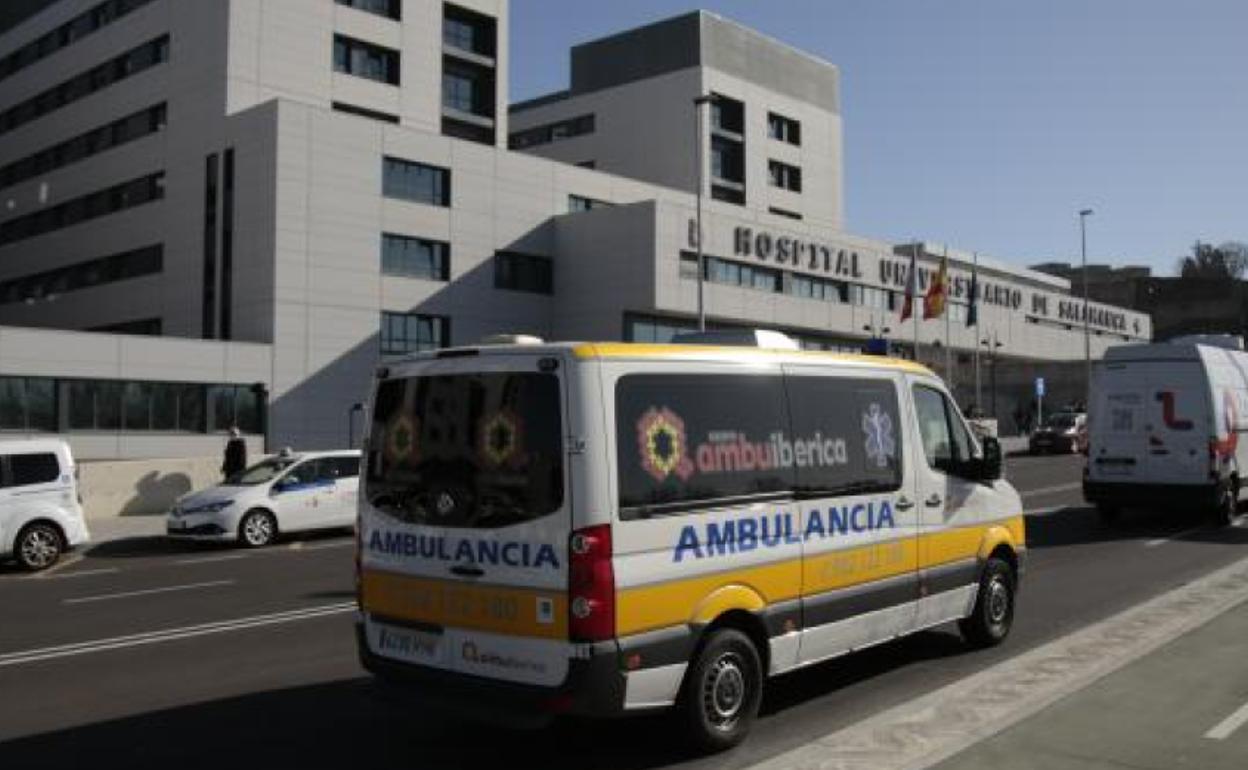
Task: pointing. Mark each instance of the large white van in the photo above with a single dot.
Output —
(1163, 427)
(613, 528)
(40, 507)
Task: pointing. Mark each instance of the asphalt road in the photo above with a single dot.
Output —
(146, 654)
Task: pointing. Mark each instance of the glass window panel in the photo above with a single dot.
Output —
(137, 400)
(108, 406)
(247, 410)
(191, 408)
(12, 403)
(165, 406)
(41, 404)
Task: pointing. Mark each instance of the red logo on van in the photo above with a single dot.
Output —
(1166, 397)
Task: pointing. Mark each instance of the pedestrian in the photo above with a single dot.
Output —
(235, 454)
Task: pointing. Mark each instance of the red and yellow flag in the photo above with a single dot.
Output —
(937, 292)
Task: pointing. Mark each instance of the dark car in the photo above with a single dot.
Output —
(1060, 432)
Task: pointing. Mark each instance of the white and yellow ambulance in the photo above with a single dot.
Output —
(605, 528)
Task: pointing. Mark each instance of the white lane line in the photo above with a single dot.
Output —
(1172, 538)
(171, 634)
(1222, 730)
(210, 559)
(1048, 510)
(82, 573)
(1052, 490)
(147, 592)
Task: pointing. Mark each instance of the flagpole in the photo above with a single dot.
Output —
(979, 403)
(913, 283)
(948, 338)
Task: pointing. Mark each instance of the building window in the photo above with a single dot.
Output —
(83, 146)
(727, 160)
(403, 333)
(83, 275)
(822, 289)
(552, 132)
(784, 213)
(417, 182)
(208, 301)
(117, 198)
(236, 406)
(523, 272)
(362, 112)
(84, 84)
(728, 194)
(727, 114)
(656, 330)
(784, 176)
(579, 203)
(27, 404)
(468, 88)
(365, 60)
(391, 9)
(415, 257)
(462, 129)
(784, 129)
(734, 273)
(227, 246)
(468, 31)
(67, 34)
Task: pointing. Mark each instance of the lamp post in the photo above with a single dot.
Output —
(1087, 339)
(992, 345)
(700, 154)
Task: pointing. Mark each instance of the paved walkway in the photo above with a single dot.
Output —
(1184, 705)
(104, 530)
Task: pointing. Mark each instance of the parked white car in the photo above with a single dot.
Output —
(284, 493)
(40, 507)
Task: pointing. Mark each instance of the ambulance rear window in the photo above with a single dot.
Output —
(467, 450)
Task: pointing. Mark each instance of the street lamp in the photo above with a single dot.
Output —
(992, 345)
(1087, 339)
(700, 154)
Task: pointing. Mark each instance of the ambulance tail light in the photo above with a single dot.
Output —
(591, 585)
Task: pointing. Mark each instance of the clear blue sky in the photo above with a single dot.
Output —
(990, 123)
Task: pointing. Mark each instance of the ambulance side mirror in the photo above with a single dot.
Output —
(990, 465)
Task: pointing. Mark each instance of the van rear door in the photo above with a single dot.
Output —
(1151, 423)
(465, 518)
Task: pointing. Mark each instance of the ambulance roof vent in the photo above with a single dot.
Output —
(511, 339)
(1228, 341)
(747, 338)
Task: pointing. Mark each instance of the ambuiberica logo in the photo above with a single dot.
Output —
(666, 450)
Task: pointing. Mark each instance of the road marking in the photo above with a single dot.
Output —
(209, 559)
(1172, 538)
(68, 561)
(81, 573)
(147, 592)
(1222, 730)
(1052, 490)
(172, 634)
(1048, 510)
(322, 546)
(929, 728)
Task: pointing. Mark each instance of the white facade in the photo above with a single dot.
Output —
(286, 252)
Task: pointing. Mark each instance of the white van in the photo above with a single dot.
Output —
(288, 492)
(613, 528)
(40, 507)
(1164, 424)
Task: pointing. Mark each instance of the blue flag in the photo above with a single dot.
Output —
(972, 312)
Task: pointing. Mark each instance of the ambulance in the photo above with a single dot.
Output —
(1164, 424)
(612, 528)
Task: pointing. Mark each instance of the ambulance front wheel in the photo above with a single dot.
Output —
(993, 616)
(722, 691)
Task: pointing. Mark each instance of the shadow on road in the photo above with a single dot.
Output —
(1081, 524)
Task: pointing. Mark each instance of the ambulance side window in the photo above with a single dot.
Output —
(852, 433)
(690, 442)
(945, 441)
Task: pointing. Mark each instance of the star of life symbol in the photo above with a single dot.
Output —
(878, 427)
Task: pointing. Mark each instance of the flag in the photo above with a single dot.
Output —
(972, 312)
(937, 292)
(907, 307)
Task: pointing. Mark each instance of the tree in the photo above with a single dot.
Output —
(1229, 260)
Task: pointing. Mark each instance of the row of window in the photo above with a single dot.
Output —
(417, 182)
(391, 9)
(54, 405)
(403, 333)
(67, 34)
(465, 30)
(83, 146)
(119, 197)
(84, 84)
(642, 328)
(784, 176)
(415, 257)
(551, 132)
(468, 88)
(366, 60)
(84, 275)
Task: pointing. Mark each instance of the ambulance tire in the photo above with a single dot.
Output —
(993, 616)
(722, 691)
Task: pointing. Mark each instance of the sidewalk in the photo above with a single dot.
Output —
(110, 528)
(1182, 706)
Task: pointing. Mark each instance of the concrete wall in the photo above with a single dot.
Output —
(146, 487)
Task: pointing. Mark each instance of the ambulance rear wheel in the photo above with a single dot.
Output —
(722, 691)
(993, 616)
